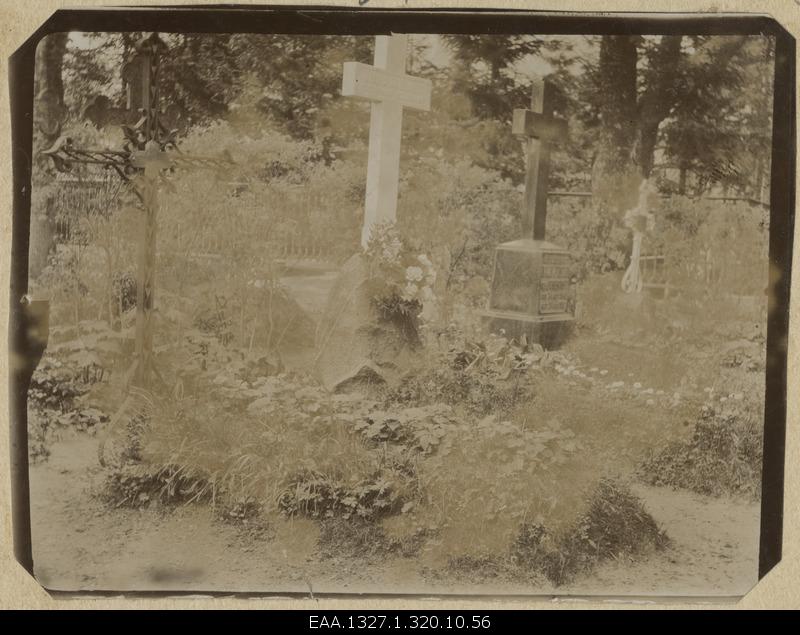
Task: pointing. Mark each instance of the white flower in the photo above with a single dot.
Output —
(427, 294)
(391, 253)
(414, 274)
(425, 260)
(410, 291)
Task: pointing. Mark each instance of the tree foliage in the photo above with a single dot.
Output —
(688, 102)
(635, 103)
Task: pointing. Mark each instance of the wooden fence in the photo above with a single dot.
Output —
(296, 240)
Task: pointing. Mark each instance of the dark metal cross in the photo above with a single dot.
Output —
(542, 130)
(149, 149)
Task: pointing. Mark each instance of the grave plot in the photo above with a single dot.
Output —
(368, 327)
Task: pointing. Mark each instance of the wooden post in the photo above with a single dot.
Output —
(145, 290)
(152, 160)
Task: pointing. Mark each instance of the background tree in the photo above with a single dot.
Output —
(486, 70)
(299, 74)
(203, 75)
(721, 130)
(689, 96)
(50, 107)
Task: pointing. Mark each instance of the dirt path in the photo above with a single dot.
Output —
(714, 548)
(79, 544)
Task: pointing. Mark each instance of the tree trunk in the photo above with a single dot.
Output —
(50, 109)
(657, 100)
(631, 122)
(49, 113)
(682, 181)
(613, 170)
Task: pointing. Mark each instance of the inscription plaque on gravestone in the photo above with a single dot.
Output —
(531, 282)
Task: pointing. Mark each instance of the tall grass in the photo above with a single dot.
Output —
(245, 455)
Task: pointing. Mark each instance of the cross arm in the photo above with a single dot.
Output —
(377, 84)
(153, 160)
(538, 125)
(201, 162)
(63, 153)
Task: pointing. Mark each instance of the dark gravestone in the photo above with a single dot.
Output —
(531, 286)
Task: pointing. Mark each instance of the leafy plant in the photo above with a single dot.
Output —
(419, 429)
(490, 374)
(59, 400)
(319, 496)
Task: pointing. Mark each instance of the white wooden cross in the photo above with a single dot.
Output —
(389, 89)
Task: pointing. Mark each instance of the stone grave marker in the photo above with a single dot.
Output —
(531, 282)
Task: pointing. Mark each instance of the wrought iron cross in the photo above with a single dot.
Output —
(541, 129)
(148, 150)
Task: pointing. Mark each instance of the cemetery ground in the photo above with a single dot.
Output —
(309, 373)
(442, 483)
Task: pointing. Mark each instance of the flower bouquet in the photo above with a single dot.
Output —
(401, 280)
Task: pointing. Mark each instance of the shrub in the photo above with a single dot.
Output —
(592, 234)
(479, 392)
(138, 485)
(686, 322)
(713, 248)
(614, 525)
(494, 474)
(723, 456)
(476, 376)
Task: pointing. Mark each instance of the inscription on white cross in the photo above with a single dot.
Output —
(389, 89)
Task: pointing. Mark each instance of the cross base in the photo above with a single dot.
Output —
(548, 331)
(515, 316)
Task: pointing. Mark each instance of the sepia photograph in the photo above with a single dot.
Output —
(404, 312)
